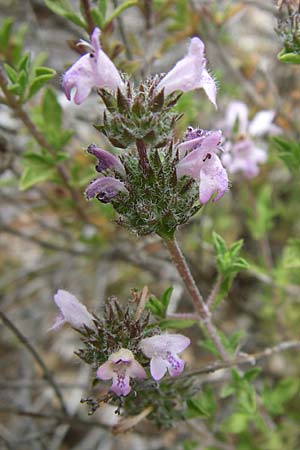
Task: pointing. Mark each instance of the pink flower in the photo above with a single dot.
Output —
(163, 349)
(94, 69)
(241, 154)
(203, 164)
(106, 160)
(121, 366)
(104, 189)
(71, 311)
(190, 73)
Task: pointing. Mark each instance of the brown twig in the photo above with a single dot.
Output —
(47, 374)
(86, 9)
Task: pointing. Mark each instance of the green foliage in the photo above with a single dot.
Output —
(229, 263)
(275, 397)
(98, 13)
(288, 57)
(203, 405)
(260, 218)
(64, 9)
(231, 343)
(37, 167)
(245, 399)
(158, 306)
(288, 152)
(48, 118)
(26, 76)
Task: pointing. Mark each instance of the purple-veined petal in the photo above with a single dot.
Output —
(158, 367)
(175, 364)
(106, 160)
(162, 343)
(120, 385)
(237, 112)
(209, 141)
(135, 370)
(73, 312)
(213, 178)
(104, 188)
(261, 123)
(105, 371)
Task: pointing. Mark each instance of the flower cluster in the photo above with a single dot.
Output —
(121, 364)
(241, 154)
(156, 178)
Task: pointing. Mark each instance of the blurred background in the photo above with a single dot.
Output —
(52, 240)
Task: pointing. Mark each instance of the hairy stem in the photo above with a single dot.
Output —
(198, 301)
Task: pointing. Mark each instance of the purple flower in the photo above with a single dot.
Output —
(163, 349)
(104, 189)
(121, 366)
(202, 163)
(190, 73)
(106, 160)
(241, 154)
(94, 69)
(71, 311)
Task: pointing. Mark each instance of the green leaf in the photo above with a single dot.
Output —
(288, 57)
(229, 263)
(11, 73)
(37, 168)
(236, 423)
(38, 82)
(289, 153)
(122, 7)
(51, 109)
(24, 63)
(276, 396)
(158, 307)
(102, 7)
(260, 219)
(176, 324)
(22, 81)
(97, 18)
(5, 32)
(31, 176)
(64, 9)
(203, 405)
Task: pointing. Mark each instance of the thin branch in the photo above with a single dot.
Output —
(85, 6)
(42, 243)
(249, 359)
(214, 291)
(58, 417)
(47, 374)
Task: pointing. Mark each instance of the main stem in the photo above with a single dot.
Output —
(200, 306)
